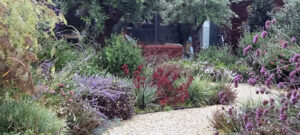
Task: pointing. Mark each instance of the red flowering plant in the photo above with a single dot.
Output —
(280, 113)
(138, 79)
(164, 78)
(125, 69)
(144, 92)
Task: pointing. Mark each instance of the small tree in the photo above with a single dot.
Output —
(195, 12)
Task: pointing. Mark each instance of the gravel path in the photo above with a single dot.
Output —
(178, 122)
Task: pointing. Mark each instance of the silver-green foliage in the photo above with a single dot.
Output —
(146, 96)
(24, 116)
(201, 91)
(288, 19)
(195, 12)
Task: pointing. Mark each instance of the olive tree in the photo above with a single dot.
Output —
(100, 16)
(195, 12)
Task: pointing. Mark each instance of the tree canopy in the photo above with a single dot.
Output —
(195, 12)
(100, 16)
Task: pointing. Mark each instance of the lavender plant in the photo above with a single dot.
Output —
(112, 96)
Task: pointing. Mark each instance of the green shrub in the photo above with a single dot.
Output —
(222, 60)
(59, 51)
(119, 52)
(148, 71)
(25, 115)
(288, 19)
(8, 93)
(84, 64)
(91, 67)
(217, 55)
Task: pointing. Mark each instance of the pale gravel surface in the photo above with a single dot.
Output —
(178, 122)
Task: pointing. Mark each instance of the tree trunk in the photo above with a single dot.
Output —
(109, 24)
(196, 39)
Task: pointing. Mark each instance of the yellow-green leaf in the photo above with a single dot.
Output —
(53, 52)
(53, 71)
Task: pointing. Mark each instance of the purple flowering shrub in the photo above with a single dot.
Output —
(279, 62)
(246, 121)
(271, 49)
(113, 97)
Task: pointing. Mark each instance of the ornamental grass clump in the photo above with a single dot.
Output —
(112, 96)
(27, 116)
(200, 91)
